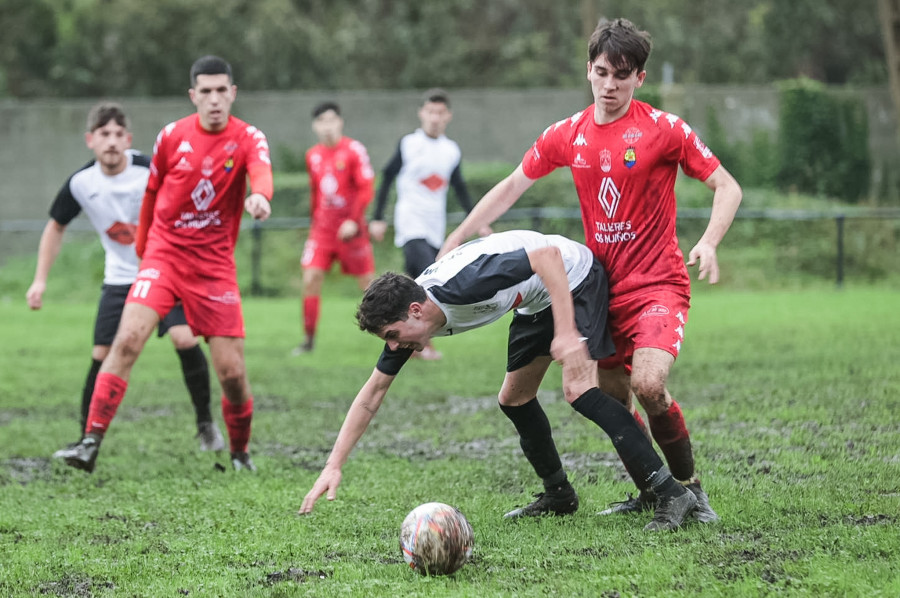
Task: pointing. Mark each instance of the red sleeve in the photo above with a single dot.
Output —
(144, 222)
(313, 189)
(364, 178)
(261, 179)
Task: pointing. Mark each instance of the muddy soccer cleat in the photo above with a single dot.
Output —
(560, 500)
(242, 462)
(645, 501)
(81, 456)
(703, 512)
(61, 453)
(210, 437)
(304, 347)
(671, 511)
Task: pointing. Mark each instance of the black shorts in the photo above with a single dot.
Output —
(530, 335)
(109, 312)
(418, 255)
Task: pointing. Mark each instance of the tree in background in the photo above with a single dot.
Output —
(133, 47)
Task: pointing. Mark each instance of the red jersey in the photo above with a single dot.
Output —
(624, 174)
(341, 182)
(199, 180)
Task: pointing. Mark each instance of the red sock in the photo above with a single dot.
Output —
(237, 421)
(640, 422)
(671, 434)
(310, 315)
(109, 390)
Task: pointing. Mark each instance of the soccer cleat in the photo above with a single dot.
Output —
(561, 500)
(63, 451)
(241, 461)
(645, 501)
(81, 456)
(304, 347)
(210, 437)
(703, 512)
(671, 511)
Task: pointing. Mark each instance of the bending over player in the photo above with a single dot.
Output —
(558, 291)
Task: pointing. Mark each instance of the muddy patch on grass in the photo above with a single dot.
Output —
(72, 586)
(25, 470)
(294, 574)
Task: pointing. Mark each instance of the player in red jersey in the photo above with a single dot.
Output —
(190, 218)
(341, 186)
(624, 156)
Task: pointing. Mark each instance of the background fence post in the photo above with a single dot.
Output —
(255, 257)
(839, 221)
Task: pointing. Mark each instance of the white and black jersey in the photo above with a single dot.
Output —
(113, 205)
(481, 281)
(425, 167)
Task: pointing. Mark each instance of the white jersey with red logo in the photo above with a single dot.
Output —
(200, 180)
(341, 182)
(421, 210)
(113, 205)
(624, 174)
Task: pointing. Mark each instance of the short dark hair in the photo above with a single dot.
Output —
(436, 95)
(210, 65)
(104, 112)
(324, 107)
(387, 301)
(626, 47)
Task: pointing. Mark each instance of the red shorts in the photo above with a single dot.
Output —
(212, 304)
(654, 319)
(356, 255)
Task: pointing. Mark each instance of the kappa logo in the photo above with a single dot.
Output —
(580, 140)
(686, 128)
(185, 147)
(609, 196)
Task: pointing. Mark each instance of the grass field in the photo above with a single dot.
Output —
(791, 397)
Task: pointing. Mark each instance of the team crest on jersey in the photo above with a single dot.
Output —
(340, 165)
(630, 157)
(229, 164)
(206, 168)
(605, 160)
(231, 146)
(632, 135)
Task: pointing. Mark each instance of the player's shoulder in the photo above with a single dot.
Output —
(664, 121)
(569, 127)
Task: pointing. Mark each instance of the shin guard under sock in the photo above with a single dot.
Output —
(633, 447)
(311, 315)
(196, 378)
(671, 434)
(108, 393)
(536, 441)
(88, 391)
(237, 421)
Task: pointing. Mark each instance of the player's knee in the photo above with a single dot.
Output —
(651, 394)
(234, 387)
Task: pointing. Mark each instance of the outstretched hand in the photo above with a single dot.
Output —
(258, 206)
(328, 481)
(709, 263)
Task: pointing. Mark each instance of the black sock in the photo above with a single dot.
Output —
(196, 377)
(536, 441)
(88, 391)
(634, 448)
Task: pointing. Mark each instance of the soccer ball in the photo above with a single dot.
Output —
(436, 539)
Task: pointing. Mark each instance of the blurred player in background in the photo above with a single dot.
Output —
(190, 219)
(341, 185)
(109, 190)
(557, 290)
(624, 156)
(425, 165)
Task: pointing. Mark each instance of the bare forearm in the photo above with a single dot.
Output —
(360, 414)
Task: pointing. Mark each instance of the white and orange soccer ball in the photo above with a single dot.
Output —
(436, 539)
